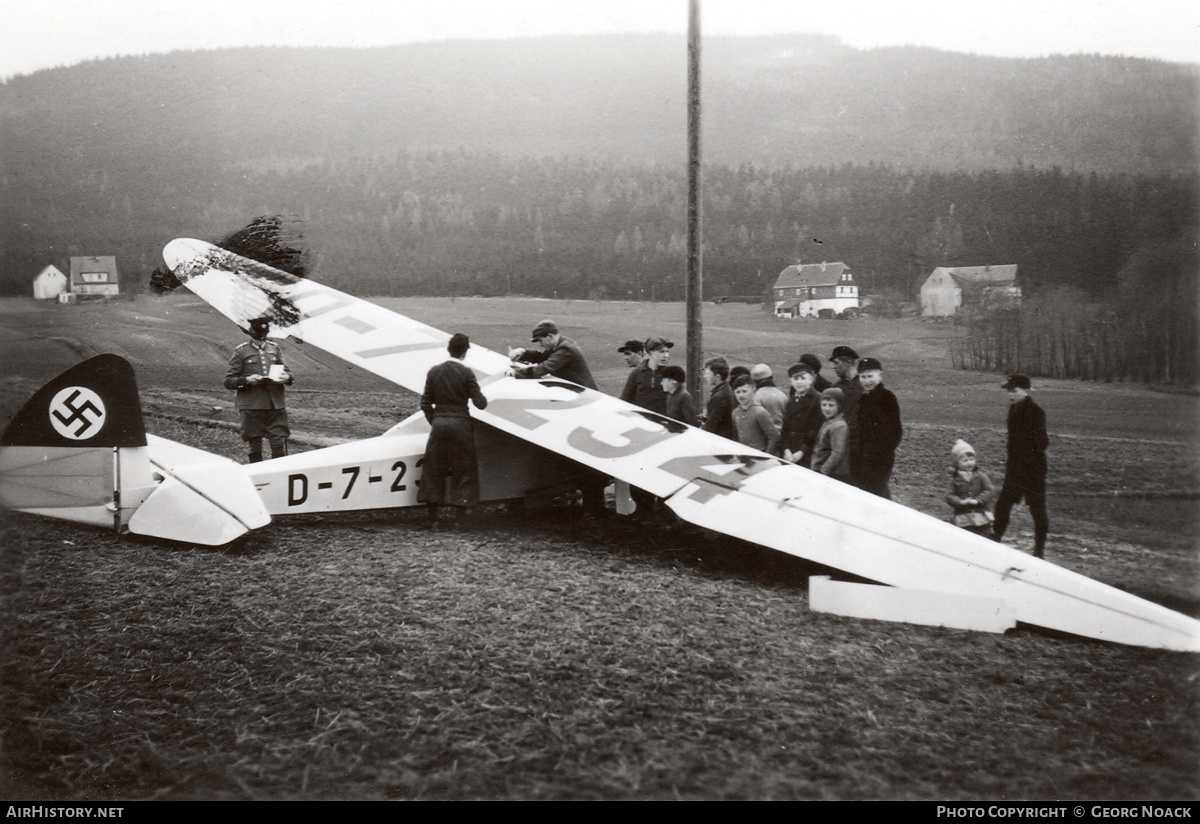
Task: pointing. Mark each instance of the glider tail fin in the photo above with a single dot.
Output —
(78, 451)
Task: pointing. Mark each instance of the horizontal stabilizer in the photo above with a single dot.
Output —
(203, 499)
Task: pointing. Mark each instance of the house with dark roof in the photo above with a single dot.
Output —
(804, 290)
(950, 287)
(95, 276)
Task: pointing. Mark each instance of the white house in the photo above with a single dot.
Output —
(948, 288)
(49, 283)
(803, 290)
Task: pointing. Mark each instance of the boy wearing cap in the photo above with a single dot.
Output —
(680, 405)
(831, 451)
(450, 451)
(802, 417)
(560, 357)
(644, 386)
(879, 431)
(1025, 471)
(258, 373)
(754, 425)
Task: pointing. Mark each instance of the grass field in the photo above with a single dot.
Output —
(518, 657)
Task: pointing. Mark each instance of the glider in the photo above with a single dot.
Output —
(540, 432)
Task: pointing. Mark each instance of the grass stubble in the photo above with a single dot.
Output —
(359, 656)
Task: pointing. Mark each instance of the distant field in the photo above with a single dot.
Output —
(360, 656)
(179, 342)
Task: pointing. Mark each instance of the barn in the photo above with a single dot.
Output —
(949, 288)
(95, 276)
(49, 283)
(807, 290)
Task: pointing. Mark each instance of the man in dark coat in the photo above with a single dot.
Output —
(560, 357)
(845, 365)
(258, 373)
(644, 386)
(1025, 471)
(879, 431)
(450, 452)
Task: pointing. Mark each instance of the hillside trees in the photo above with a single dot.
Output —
(454, 223)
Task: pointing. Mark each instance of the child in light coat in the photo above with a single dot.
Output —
(971, 491)
(831, 454)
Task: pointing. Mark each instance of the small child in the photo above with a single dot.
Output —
(831, 454)
(971, 491)
(680, 405)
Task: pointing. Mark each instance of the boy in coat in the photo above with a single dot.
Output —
(879, 431)
(1025, 471)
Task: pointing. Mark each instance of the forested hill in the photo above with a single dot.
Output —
(778, 101)
(556, 166)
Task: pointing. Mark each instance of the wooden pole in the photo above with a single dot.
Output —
(695, 344)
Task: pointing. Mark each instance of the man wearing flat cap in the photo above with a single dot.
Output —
(559, 357)
(644, 386)
(258, 373)
(845, 366)
(1025, 471)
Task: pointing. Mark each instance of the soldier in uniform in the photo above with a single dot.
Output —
(450, 451)
(258, 373)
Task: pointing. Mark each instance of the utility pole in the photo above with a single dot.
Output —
(695, 344)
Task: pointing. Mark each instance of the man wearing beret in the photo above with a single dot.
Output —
(560, 357)
(1025, 471)
(644, 385)
(879, 431)
(258, 373)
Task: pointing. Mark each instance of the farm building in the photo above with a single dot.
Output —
(95, 276)
(808, 290)
(49, 283)
(948, 288)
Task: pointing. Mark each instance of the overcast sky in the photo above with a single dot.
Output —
(38, 34)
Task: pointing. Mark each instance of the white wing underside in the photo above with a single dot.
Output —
(707, 480)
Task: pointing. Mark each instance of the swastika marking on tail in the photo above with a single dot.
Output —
(77, 413)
